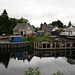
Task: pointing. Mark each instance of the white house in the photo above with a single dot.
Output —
(68, 31)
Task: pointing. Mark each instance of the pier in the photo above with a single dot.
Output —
(54, 45)
(54, 48)
(13, 45)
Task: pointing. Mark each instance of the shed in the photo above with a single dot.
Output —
(40, 33)
(15, 38)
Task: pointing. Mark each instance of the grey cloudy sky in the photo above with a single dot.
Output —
(40, 11)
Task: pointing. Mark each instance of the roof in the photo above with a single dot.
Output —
(19, 25)
(69, 27)
(49, 27)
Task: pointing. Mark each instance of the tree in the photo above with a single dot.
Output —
(22, 20)
(69, 24)
(12, 24)
(5, 23)
(57, 23)
(41, 26)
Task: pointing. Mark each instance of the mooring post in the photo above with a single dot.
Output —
(51, 45)
(60, 44)
(42, 45)
(65, 45)
(55, 45)
(71, 44)
(38, 45)
(34, 45)
(46, 45)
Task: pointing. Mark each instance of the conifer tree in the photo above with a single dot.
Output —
(69, 24)
(5, 22)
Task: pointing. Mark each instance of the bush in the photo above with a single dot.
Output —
(58, 73)
(32, 71)
(30, 38)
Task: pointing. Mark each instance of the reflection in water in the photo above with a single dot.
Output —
(19, 54)
(4, 58)
(24, 55)
(46, 63)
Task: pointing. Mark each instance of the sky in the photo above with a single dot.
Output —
(40, 11)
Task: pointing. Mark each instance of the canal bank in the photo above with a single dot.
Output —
(12, 45)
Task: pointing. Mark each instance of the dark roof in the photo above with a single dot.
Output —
(19, 25)
(68, 27)
(49, 27)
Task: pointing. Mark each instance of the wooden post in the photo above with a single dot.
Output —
(38, 45)
(60, 44)
(46, 45)
(55, 45)
(34, 45)
(42, 45)
(70, 44)
(65, 45)
(51, 45)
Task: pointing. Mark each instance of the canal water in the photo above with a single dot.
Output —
(16, 62)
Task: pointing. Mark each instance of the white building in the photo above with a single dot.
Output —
(68, 31)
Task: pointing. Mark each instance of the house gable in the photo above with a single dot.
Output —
(55, 28)
(19, 26)
(23, 28)
(28, 27)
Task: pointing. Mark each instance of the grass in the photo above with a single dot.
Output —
(32, 38)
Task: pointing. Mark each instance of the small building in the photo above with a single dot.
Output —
(49, 29)
(23, 29)
(40, 33)
(15, 38)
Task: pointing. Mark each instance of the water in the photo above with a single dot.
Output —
(15, 63)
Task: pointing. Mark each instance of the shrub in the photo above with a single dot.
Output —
(32, 71)
(58, 73)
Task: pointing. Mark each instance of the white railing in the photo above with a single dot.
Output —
(67, 33)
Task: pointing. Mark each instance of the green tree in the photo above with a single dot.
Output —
(69, 24)
(41, 26)
(5, 23)
(57, 23)
(13, 24)
(36, 28)
(22, 20)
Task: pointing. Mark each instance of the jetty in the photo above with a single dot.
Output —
(54, 48)
(12, 45)
(54, 45)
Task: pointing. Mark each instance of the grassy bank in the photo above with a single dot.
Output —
(32, 38)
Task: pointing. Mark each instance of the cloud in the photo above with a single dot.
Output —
(37, 11)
